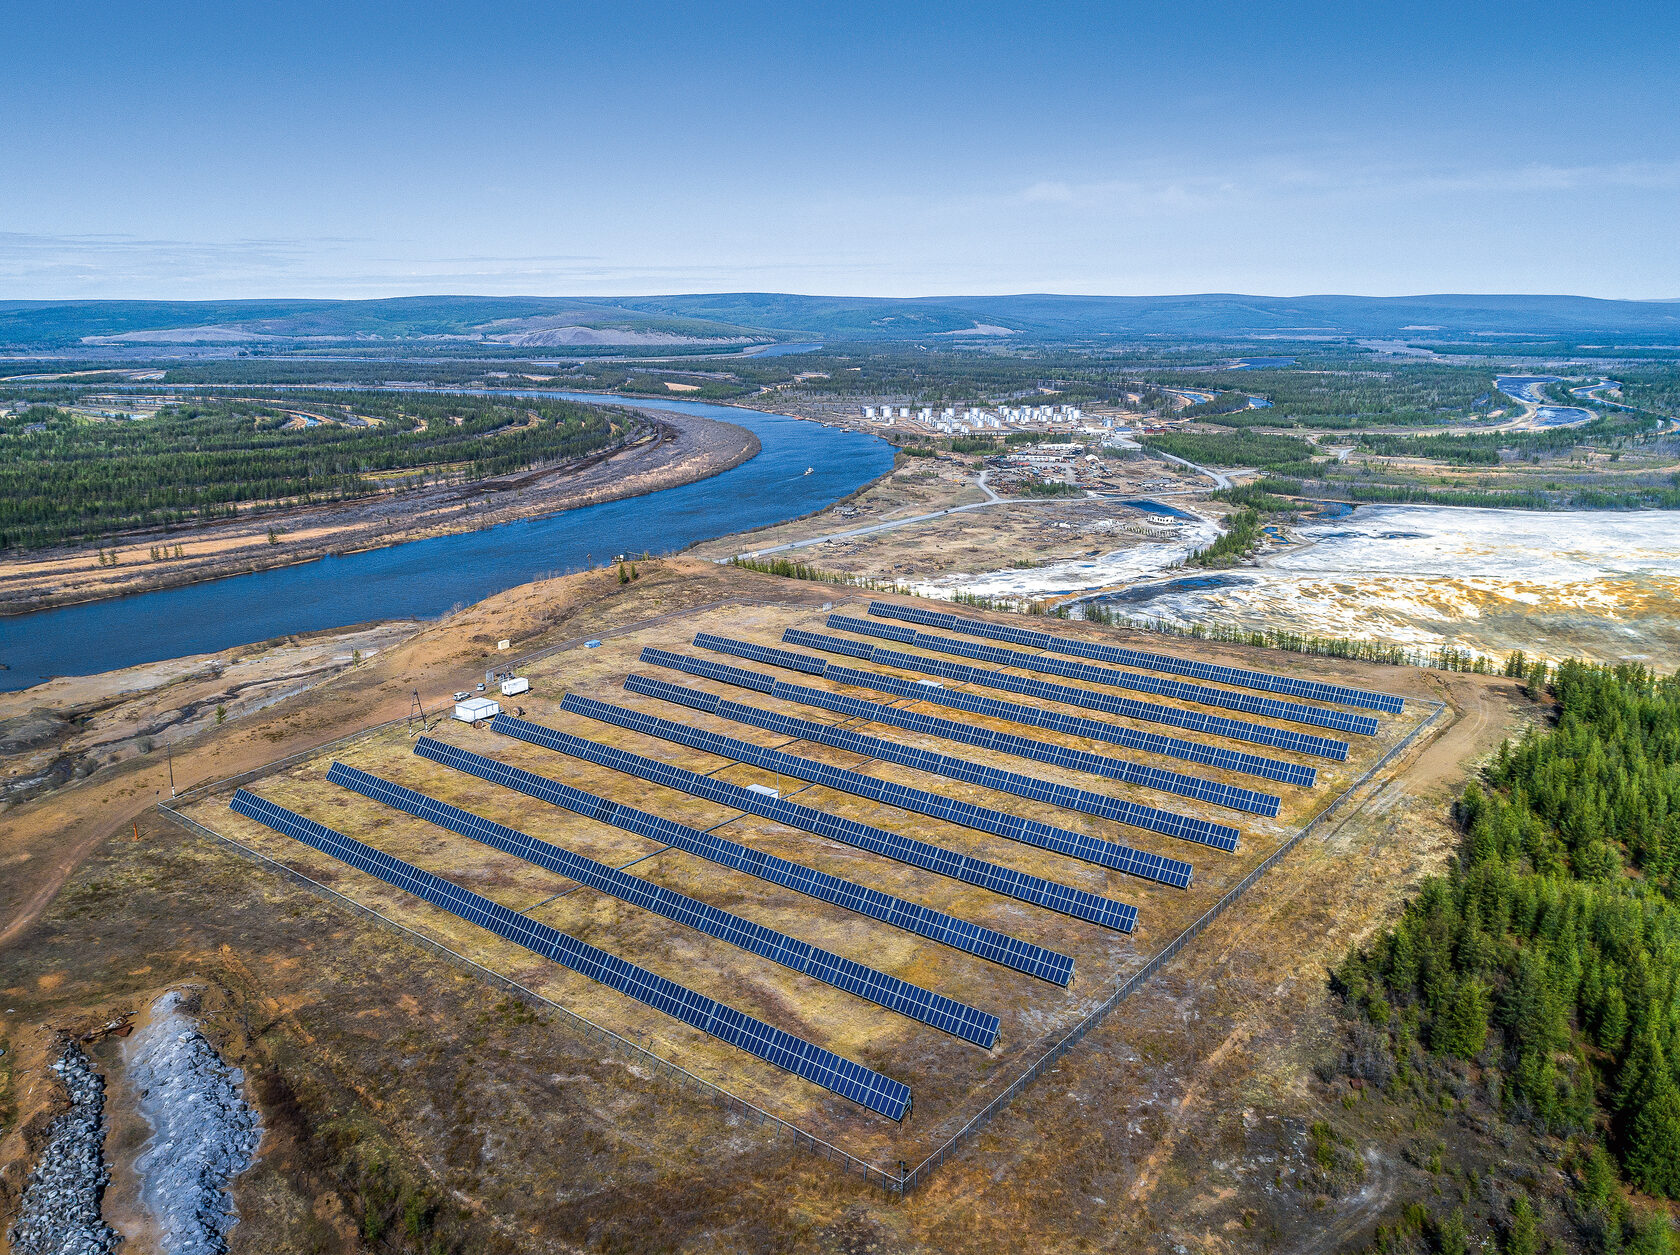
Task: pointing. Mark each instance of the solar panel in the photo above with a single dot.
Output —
(1003, 880)
(864, 1086)
(937, 926)
(1126, 707)
(987, 738)
(1312, 690)
(1249, 703)
(943, 1013)
(1050, 720)
(981, 818)
(1141, 863)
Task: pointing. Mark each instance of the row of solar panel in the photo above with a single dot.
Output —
(1270, 707)
(969, 734)
(1312, 690)
(1004, 880)
(981, 818)
(944, 1013)
(1121, 858)
(923, 921)
(1126, 707)
(851, 1080)
(1050, 720)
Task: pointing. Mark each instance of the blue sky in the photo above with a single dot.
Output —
(236, 149)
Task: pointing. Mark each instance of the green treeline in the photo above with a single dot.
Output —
(1244, 448)
(205, 457)
(1222, 403)
(1050, 488)
(1345, 394)
(1241, 534)
(1637, 497)
(1548, 955)
(1486, 448)
(1257, 498)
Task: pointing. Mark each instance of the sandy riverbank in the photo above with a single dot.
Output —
(671, 450)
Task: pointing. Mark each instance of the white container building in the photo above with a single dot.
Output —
(476, 708)
(514, 686)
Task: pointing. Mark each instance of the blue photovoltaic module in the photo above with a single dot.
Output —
(862, 1085)
(910, 1000)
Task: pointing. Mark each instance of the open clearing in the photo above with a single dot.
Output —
(1179, 1122)
(950, 1080)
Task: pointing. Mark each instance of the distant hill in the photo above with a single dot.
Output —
(746, 318)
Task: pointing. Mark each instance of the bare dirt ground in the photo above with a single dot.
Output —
(70, 727)
(991, 538)
(669, 450)
(950, 1080)
(385, 1075)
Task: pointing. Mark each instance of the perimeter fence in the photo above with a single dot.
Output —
(894, 1182)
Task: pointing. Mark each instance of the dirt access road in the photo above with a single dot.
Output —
(43, 841)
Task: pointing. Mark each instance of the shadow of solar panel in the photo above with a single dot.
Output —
(1312, 690)
(1041, 751)
(862, 1085)
(1050, 720)
(1127, 707)
(923, 921)
(981, 818)
(1249, 703)
(1141, 863)
(910, 1000)
(1003, 880)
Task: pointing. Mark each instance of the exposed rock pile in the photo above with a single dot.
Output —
(61, 1200)
(204, 1133)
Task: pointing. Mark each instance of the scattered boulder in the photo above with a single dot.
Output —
(204, 1133)
(61, 1212)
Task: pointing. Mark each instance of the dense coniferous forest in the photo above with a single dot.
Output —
(64, 476)
(1544, 967)
(1485, 448)
(1637, 496)
(1269, 452)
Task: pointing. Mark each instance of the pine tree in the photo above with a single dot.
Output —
(1461, 1026)
(1522, 1236)
(1653, 1151)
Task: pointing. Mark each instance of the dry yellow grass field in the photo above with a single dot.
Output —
(950, 1079)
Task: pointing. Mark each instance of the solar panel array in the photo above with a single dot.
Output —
(1050, 720)
(937, 926)
(1127, 707)
(981, 818)
(1269, 707)
(1122, 858)
(1004, 880)
(1312, 690)
(861, 1085)
(944, 1013)
(986, 738)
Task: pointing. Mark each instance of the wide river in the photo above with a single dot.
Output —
(425, 578)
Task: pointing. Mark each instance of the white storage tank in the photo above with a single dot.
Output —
(514, 686)
(476, 708)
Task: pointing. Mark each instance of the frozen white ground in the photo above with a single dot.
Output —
(1603, 584)
(1556, 547)
(1176, 540)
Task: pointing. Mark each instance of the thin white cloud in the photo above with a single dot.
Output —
(1192, 190)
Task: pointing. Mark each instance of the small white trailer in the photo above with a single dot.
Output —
(476, 708)
(515, 685)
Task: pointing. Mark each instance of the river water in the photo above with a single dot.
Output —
(425, 578)
(1549, 414)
